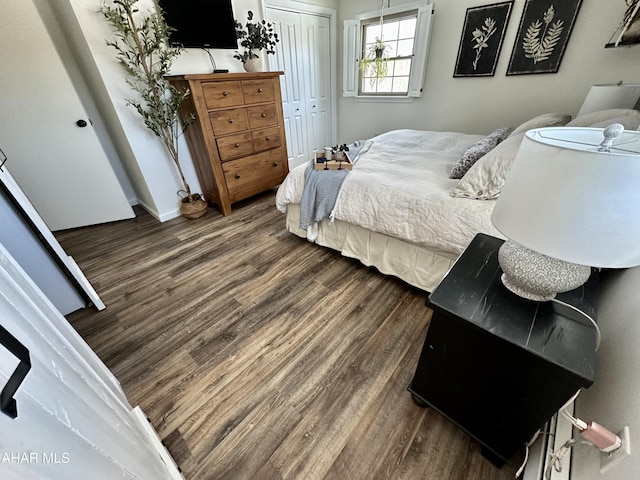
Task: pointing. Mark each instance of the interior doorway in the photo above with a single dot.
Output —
(53, 150)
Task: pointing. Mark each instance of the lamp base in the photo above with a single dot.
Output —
(538, 277)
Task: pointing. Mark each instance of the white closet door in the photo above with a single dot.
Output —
(304, 54)
(316, 43)
(73, 421)
(289, 58)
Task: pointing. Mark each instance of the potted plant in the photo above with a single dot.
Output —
(143, 51)
(374, 63)
(254, 37)
(339, 151)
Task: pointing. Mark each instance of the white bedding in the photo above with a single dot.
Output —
(400, 187)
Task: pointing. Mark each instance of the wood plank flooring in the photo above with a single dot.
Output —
(258, 355)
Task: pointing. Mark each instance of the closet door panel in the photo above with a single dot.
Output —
(289, 59)
(317, 79)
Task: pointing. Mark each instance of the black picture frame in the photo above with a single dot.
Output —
(628, 30)
(543, 34)
(481, 39)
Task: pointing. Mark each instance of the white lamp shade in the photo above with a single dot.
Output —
(607, 96)
(565, 199)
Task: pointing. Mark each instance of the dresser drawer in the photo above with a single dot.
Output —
(254, 174)
(229, 121)
(235, 146)
(262, 115)
(266, 138)
(222, 94)
(259, 91)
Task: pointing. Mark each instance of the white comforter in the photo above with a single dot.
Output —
(400, 187)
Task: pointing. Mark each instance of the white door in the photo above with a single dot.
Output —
(317, 79)
(304, 54)
(68, 418)
(289, 59)
(59, 164)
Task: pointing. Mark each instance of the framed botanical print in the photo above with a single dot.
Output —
(543, 35)
(628, 30)
(481, 40)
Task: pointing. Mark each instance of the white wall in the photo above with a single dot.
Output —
(479, 105)
(149, 168)
(612, 400)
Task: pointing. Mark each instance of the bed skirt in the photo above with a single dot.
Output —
(417, 265)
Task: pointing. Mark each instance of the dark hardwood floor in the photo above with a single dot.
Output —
(258, 355)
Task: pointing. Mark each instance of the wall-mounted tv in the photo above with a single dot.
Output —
(200, 23)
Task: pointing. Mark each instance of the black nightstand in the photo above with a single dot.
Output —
(497, 365)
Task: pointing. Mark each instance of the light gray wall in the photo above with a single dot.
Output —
(612, 400)
(30, 253)
(479, 105)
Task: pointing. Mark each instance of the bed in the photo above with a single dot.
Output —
(399, 211)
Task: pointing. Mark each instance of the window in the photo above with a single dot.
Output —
(397, 35)
(405, 34)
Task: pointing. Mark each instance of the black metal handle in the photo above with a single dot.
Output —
(3, 159)
(11, 343)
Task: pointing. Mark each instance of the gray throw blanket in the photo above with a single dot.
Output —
(321, 188)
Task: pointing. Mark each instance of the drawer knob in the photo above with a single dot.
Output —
(237, 145)
(275, 164)
(263, 115)
(224, 94)
(268, 138)
(231, 120)
(237, 175)
(259, 90)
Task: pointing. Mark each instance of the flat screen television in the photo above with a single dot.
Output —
(200, 23)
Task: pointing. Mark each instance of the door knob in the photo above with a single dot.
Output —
(81, 123)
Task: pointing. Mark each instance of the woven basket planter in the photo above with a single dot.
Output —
(195, 208)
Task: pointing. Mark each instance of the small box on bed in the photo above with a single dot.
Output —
(320, 162)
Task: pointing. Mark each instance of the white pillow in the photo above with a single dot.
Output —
(606, 118)
(541, 121)
(485, 179)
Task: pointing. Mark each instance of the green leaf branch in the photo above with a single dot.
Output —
(143, 51)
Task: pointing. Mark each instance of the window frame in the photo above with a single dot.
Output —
(413, 14)
(352, 51)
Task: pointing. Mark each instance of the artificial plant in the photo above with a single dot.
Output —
(255, 36)
(143, 51)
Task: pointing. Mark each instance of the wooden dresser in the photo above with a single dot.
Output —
(237, 140)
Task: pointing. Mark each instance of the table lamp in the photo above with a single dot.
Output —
(571, 201)
(611, 95)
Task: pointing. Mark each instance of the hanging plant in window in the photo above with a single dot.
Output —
(374, 64)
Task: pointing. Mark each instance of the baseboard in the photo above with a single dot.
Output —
(557, 431)
(161, 217)
(172, 468)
